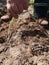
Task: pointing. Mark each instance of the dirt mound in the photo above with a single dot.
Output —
(29, 29)
(27, 44)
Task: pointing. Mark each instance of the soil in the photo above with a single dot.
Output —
(26, 44)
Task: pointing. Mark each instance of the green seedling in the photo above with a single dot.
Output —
(11, 22)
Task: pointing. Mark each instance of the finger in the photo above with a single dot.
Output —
(19, 6)
(8, 4)
(12, 12)
(25, 4)
(15, 8)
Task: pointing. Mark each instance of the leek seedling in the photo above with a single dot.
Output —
(11, 22)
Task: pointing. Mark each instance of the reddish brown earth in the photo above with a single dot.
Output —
(27, 43)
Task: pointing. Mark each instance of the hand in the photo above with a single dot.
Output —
(17, 6)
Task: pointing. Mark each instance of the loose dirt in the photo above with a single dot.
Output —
(27, 43)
